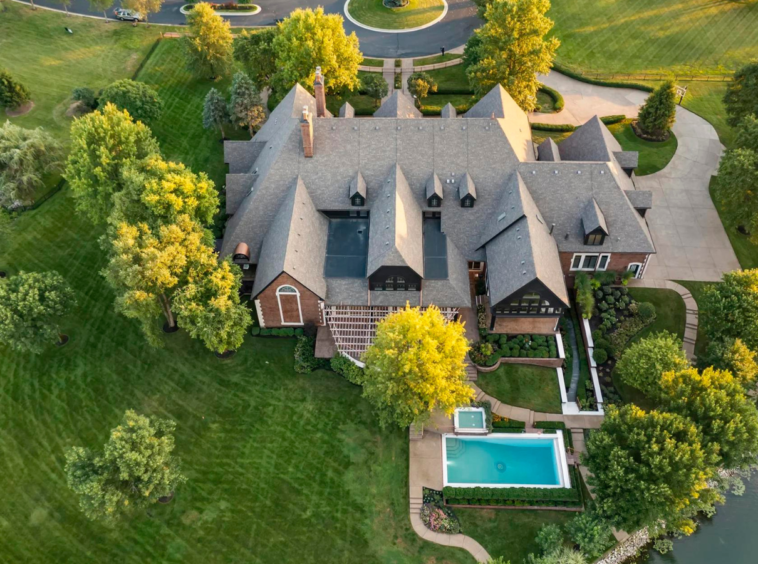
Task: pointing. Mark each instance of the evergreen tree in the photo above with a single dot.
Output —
(208, 46)
(375, 86)
(658, 113)
(12, 93)
(512, 49)
(729, 310)
(741, 98)
(245, 105)
(215, 112)
(26, 157)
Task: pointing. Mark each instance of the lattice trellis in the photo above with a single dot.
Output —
(354, 327)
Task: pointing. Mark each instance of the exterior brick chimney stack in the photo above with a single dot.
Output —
(306, 130)
(318, 88)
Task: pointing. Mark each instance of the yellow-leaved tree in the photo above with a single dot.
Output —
(416, 365)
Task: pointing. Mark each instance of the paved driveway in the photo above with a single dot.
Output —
(690, 240)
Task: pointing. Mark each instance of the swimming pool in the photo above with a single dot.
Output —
(505, 460)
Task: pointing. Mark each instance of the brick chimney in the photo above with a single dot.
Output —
(306, 130)
(318, 88)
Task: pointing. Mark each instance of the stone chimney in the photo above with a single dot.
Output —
(306, 130)
(318, 89)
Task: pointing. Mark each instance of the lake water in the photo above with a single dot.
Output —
(731, 537)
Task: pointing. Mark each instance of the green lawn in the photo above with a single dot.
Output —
(557, 136)
(372, 62)
(282, 467)
(37, 50)
(621, 36)
(180, 128)
(697, 289)
(373, 13)
(522, 385)
(654, 156)
(451, 78)
(509, 533)
(670, 310)
(545, 102)
(434, 59)
(461, 102)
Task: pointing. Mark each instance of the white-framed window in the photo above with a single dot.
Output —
(287, 294)
(476, 265)
(590, 261)
(635, 267)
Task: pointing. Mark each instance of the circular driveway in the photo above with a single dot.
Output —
(453, 31)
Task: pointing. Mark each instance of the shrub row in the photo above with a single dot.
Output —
(508, 424)
(351, 371)
(461, 91)
(567, 127)
(558, 101)
(564, 497)
(610, 120)
(554, 426)
(612, 83)
(305, 358)
(283, 332)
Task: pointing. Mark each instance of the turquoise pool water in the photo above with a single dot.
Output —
(501, 460)
(470, 420)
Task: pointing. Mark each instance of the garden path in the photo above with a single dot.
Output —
(575, 366)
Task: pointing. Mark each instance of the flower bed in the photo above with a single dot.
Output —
(435, 516)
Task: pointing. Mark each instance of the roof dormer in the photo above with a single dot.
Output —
(593, 221)
(357, 191)
(467, 192)
(434, 192)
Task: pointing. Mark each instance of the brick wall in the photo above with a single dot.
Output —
(269, 305)
(618, 262)
(521, 325)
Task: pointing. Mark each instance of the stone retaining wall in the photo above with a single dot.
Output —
(546, 362)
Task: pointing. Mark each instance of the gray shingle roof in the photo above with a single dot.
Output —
(347, 291)
(357, 186)
(295, 243)
(548, 151)
(237, 188)
(448, 111)
(627, 159)
(514, 201)
(396, 231)
(240, 155)
(467, 187)
(347, 111)
(398, 105)
(640, 199)
(591, 142)
(434, 186)
(398, 299)
(593, 218)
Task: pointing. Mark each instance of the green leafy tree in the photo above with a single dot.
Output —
(135, 469)
(642, 364)
(255, 52)
(549, 538)
(26, 157)
(716, 403)
(215, 112)
(103, 5)
(137, 98)
(415, 365)
(208, 46)
(157, 192)
(374, 85)
(86, 96)
(513, 49)
(12, 93)
(591, 532)
(308, 39)
(31, 305)
(647, 468)
(420, 84)
(741, 98)
(737, 185)
(658, 113)
(209, 308)
(585, 297)
(148, 267)
(103, 144)
(144, 7)
(734, 356)
(245, 105)
(729, 310)
(472, 52)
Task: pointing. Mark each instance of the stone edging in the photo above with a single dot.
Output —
(382, 30)
(544, 362)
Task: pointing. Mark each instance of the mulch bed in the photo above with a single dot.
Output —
(648, 137)
(168, 329)
(63, 341)
(226, 354)
(21, 110)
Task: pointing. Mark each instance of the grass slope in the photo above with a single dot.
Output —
(654, 156)
(670, 310)
(282, 467)
(522, 385)
(37, 50)
(373, 13)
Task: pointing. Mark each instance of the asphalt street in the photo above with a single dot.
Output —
(451, 32)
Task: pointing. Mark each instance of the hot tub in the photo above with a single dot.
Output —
(470, 420)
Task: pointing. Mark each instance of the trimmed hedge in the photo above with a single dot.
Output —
(610, 120)
(452, 90)
(560, 127)
(509, 424)
(553, 426)
(276, 332)
(558, 101)
(612, 83)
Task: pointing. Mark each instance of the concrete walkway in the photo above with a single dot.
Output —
(690, 240)
(691, 320)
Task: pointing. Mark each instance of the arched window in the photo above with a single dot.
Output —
(290, 310)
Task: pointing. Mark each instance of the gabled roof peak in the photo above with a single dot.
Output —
(398, 105)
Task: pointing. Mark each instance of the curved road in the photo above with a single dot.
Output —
(452, 31)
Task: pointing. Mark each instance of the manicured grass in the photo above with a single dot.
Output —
(522, 385)
(451, 78)
(374, 14)
(746, 251)
(37, 50)
(557, 136)
(180, 128)
(433, 60)
(619, 36)
(372, 62)
(509, 533)
(461, 102)
(545, 102)
(654, 156)
(362, 104)
(697, 289)
(670, 311)
(282, 467)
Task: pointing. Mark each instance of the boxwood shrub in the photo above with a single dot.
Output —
(541, 497)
